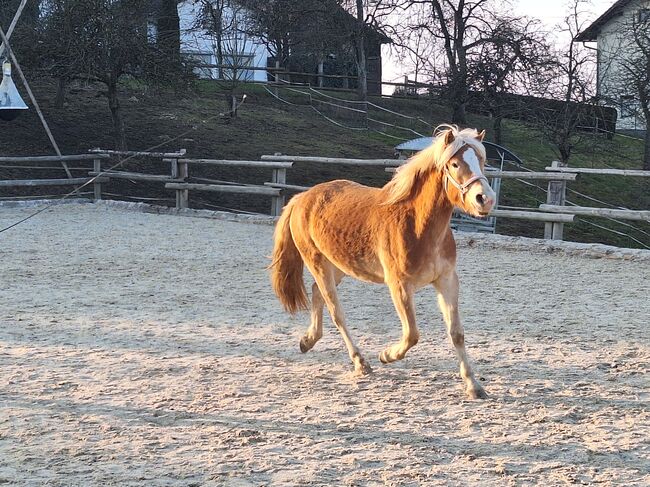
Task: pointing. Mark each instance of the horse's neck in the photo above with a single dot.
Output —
(431, 207)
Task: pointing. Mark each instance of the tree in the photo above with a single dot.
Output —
(225, 23)
(368, 16)
(570, 79)
(515, 50)
(100, 40)
(459, 29)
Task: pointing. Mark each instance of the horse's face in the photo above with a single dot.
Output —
(467, 186)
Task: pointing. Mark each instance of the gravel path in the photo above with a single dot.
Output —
(141, 349)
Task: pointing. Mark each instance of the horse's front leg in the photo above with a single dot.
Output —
(402, 295)
(447, 287)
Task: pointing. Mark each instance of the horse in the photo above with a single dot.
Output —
(398, 235)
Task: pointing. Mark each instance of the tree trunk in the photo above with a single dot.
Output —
(362, 71)
(231, 104)
(646, 154)
(59, 100)
(459, 94)
(116, 115)
(459, 116)
(169, 33)
(496, 125)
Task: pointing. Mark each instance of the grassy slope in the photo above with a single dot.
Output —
(265, 126)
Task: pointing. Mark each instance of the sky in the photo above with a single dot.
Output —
(549, 12)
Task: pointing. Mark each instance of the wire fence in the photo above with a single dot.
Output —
(352, 114)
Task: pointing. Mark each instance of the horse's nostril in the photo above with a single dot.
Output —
(481, 199)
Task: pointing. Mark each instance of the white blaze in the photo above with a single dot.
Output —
(469, 156)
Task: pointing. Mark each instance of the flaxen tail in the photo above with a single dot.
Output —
(287, 266)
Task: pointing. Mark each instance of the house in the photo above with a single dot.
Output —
(613, 33)
(234, 49)
(235, 54)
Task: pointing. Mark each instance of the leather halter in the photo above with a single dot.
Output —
(463, 188)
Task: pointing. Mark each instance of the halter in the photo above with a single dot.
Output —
(463, 188)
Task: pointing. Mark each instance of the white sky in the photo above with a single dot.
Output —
(550, 12)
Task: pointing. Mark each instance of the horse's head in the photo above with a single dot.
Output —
(465, 184)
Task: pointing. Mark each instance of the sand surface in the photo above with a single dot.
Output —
(140, 349)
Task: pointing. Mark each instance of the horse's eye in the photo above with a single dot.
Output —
(454, 164)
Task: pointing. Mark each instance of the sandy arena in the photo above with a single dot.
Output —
(142, 349)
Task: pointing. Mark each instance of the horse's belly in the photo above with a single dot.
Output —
(364, 269)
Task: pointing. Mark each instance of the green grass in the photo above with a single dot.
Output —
(191, 119)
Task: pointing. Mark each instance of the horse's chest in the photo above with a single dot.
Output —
(425, 270)
(425, 264)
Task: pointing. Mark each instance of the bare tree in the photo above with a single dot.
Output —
(516, 48)
(458, 29)
(570, 80)
(369, 16)
(225, 22)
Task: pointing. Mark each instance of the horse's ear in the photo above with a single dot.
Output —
(449, 137)
(481, 136)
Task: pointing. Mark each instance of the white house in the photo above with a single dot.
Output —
(613, 33)
(238, 49)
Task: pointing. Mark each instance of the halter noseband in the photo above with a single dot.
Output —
(463, 188)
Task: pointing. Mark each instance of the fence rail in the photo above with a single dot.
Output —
(639, 215)
(49, 182)
(598, 171)
(65, 158)
(555, 213)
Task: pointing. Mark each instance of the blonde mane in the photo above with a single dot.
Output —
(433, 157)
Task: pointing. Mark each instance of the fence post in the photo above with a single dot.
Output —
(277, 202)
(182, 195)
(556, 195)
(173, 167)
(97, 186)
(276, 78)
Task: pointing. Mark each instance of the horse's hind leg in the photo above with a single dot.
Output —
(402, 296)
(447, 287)
(315, 330)
(325, 275)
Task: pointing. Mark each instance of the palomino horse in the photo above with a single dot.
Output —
(398, 235)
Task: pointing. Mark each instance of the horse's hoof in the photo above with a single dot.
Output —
(305, 344)
(362, 368)
(383, 357)
(477, 392)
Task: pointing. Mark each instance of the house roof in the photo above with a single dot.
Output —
(590, 34)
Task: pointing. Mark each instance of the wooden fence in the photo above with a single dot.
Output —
(555, 214)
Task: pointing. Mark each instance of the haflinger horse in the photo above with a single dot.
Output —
(398, 235)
